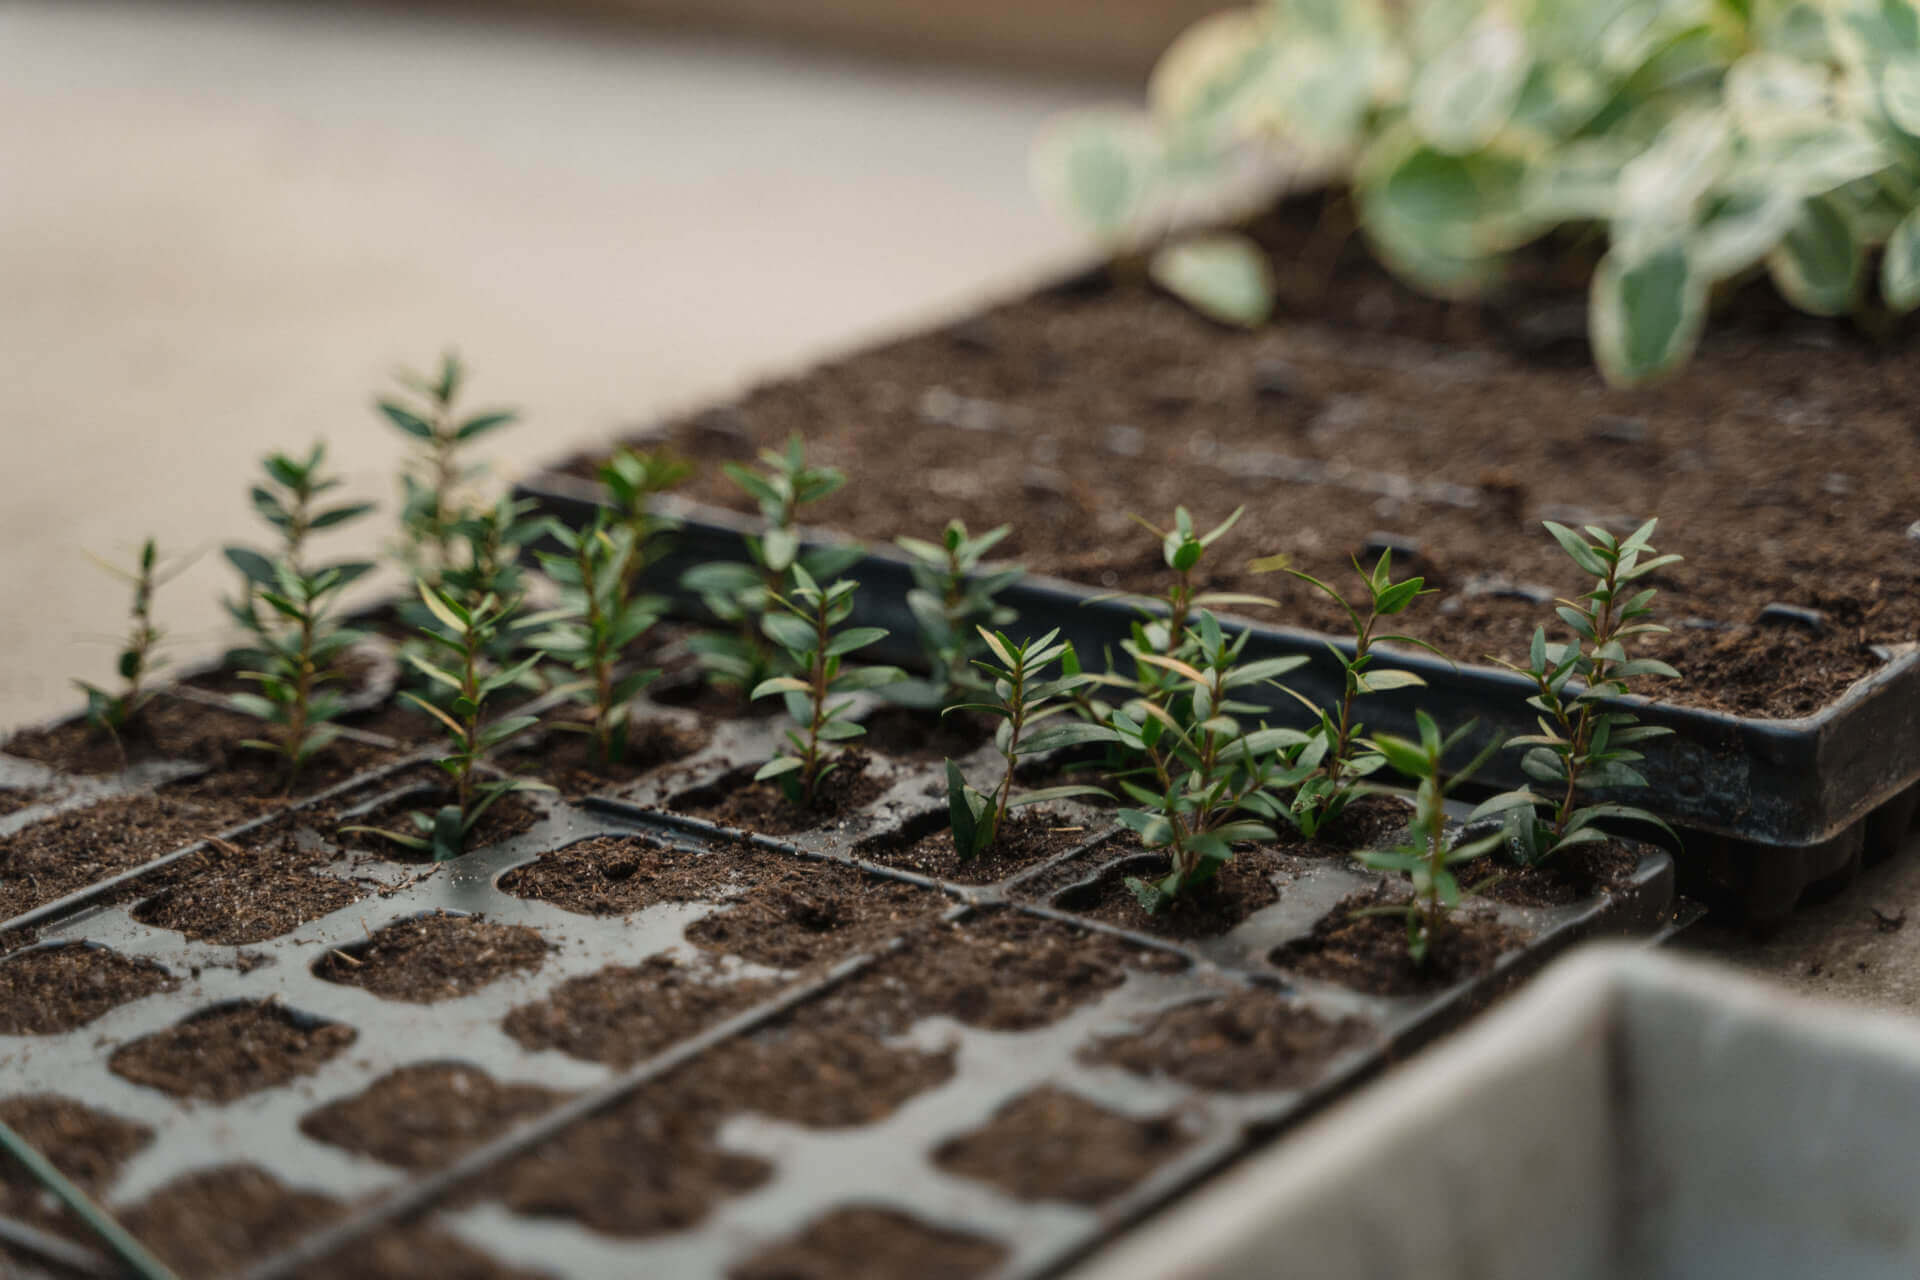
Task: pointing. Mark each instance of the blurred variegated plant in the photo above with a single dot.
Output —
(1709, 138)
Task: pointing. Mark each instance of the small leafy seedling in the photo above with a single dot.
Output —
(431, 506)
(740, 594)
(463, 636)
(1427, 857)
(630, 480)
(1183, 548)
(113, 712)
(808, 629)
(1586, 743)
(1023, 700)
(951, 601)
(1324, 796)
(592, 627)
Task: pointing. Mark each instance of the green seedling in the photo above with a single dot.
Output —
(593, 626)
(1206, 769)
(951, 602)
(1164, 626)
(808, 628)
(1338, 766)
(630, 479)
(1586, 742)
(463, 636)
(431, 503)
(740, 595)
(115, 711)
(1023, 701)
(1427, 857)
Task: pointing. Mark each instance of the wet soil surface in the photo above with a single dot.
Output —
(1777, 460)
(86, 1145)
(1054, 1145)
(250, 890)
(438, 956)
(619, 875)
(624, 1013)
(53, 989)
(426, 1116)
(1247, 1041)
(1241, 887)
(738, 801)
(228, 1052)
(1026, 839)
(873, 1244)
(1369, 953)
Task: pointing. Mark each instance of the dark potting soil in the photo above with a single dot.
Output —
(624, 1013)
(433, 957)
(1027, 838)
(14, 799)
(871, 1243)
(425, 1116)
(86, 1145)
(1248, 1041)
(1368, 822)
(1369, 953)
(235, 893)
(566, 760)
(416, 1252)
(229, 1051)
(505, 818)
(53, 989)
(907, 733)
(67, 851)
(1779, 460)
(1052, 1144)
(794, 912)
(1575, 875)
(619, 875)
(258, 779)
(1240, 888)
(168, 728)
(736, 800)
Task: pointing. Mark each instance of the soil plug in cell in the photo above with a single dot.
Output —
(228, 1052)
(88, 1147)
(619, 875)
(1054, 1145)
(1253, 1040)
(438, 956)
(1368, 952)
(873, 1244)
(59, 988)
(236, 894)
(423, 1117)
(794, 912)
(622, 1014)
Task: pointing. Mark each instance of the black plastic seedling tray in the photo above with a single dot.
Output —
(1769, 808)
(812, 1171)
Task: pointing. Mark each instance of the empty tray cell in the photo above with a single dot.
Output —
(624, 1013)
(257, 887)
(619, 875)
(792, 912)
(230, 1051)
(1250, 1040)
(1052, 1144)
(57, 855)
(86, 1145)
(566, 759)
(48, 990)
(736, 800)
(872, 1243)
(438, 955)
(422, 1117)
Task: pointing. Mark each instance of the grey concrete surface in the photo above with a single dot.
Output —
(222, 226)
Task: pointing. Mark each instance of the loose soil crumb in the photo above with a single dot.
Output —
(235, 893)
(1002, 971)
(423, 1117)
(54, 989)
(505, 818)
(69, 851)
(624, 1013)
(86, 1145)
(907, 733)
(434, 957)
(619, 875)
(1240, 888)
(216, 1220)
(228, 1052)
(1026, 839)
(873, 1244)
(794, 912)
(566, 759)
(739, 802)
(1253, 1040)
(1054, 1145)
(1574, 875)
(1369, 953)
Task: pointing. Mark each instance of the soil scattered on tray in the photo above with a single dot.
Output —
(258, 779)
(871, 1243)
(623, 1013)
(1026, 839)
(1369, 953)
(54, 989)
(794, 912)
(505, 818)
(1240, 888)
(619, 875)
(86, 1145)
(566, 759)
(912, 734)
(739, 802)
(1251, 1040)
(1001, 971)
(68, 851)
(1774, 459)
(235, 893)
(1052, 1144)
(438, 956)
(1573, 875)
(230, 1051)
(425, 1116)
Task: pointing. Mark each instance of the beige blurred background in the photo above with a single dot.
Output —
(223, 225)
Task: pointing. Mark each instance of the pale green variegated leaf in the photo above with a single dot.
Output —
(1463, 97)
(1900, 267)
(1817, 266)
(1576, 182)
(1816, 161)
(1740, 229)
(1224, 277)
(1098, 169)
(1663, 185)
(1644, 316)
(1209, 68)
(1797, 28)
(1772, 93)
(1900, 93)
(1437, 219)
(1316, 94)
